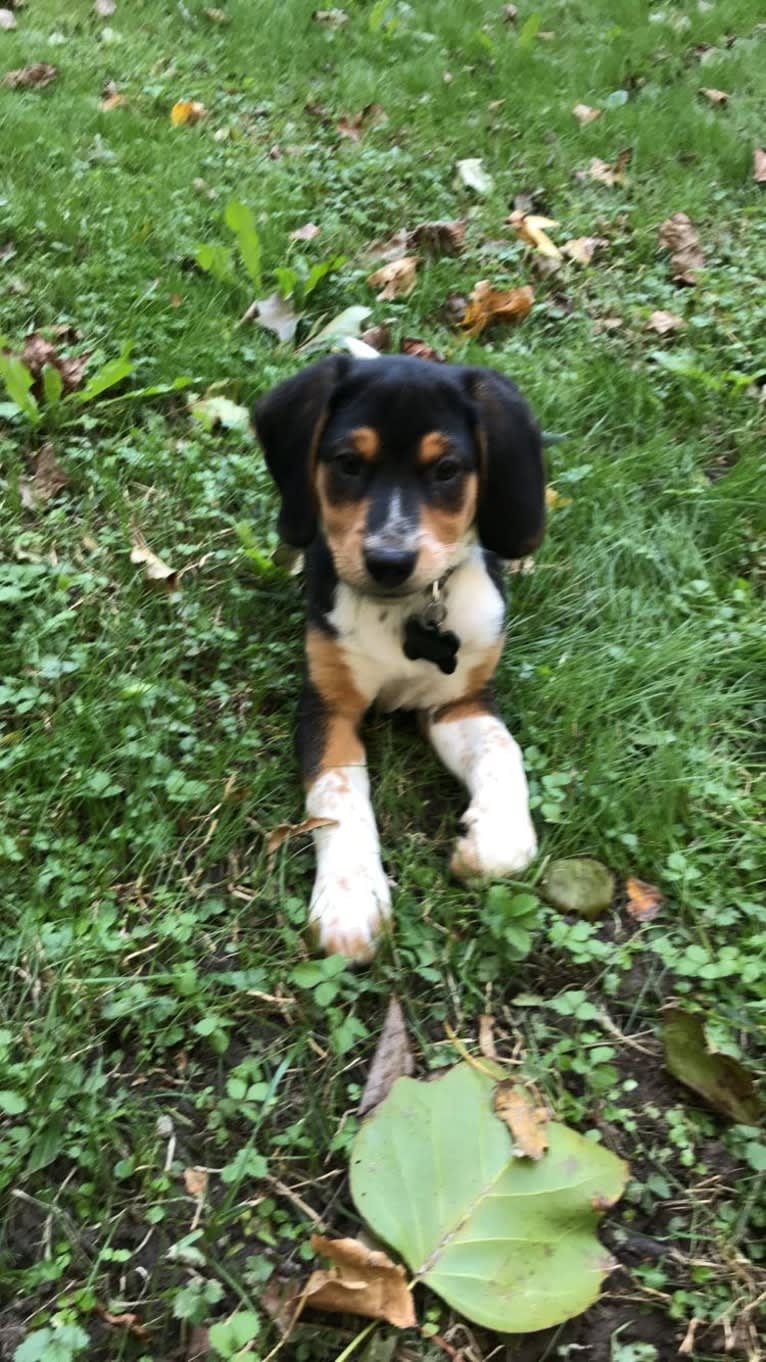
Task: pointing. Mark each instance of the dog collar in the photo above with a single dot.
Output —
(423, 636)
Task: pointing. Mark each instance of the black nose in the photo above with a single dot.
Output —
(389, 567)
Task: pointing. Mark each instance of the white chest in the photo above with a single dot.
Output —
(370, 634)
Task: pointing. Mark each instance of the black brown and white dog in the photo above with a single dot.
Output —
(406, 482)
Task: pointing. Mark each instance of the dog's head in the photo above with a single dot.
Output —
(402, 463)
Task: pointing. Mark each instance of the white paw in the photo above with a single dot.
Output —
(349, 910)
(494, 845)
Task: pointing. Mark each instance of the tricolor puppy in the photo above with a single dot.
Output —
(406, 482)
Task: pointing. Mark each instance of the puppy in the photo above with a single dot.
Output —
(406, 482)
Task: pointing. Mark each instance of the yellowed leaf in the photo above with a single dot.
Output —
(396, 279)
(759, 165)
(526, 1121)
(581, 249)
(186, 111)
(554, 499)
(715, 96)
(531, 228)
(665, 322)
(487, 305)
(195, 1181)
(487, 1036)
(677, 235)
(113, 101)
(608, 174)
(392, 1059)
(644, 900)
(48, 478)
(585, 114)
(154, 568)
(362, 1281)
(284, 831)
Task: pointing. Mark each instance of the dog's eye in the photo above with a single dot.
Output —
(350, 465)
(446, 470)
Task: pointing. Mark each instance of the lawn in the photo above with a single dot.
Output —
(157, 1012)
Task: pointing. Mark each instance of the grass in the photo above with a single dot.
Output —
(152, 1016)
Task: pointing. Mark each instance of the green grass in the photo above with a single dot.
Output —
(151, 1015)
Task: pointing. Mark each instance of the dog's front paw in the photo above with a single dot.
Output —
(349, 911)
(494, 845)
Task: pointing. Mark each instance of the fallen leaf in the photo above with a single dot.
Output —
(759, 165)
(38, 352)
(114, 101)
(531, 228)
(105, 8)
(472, 174)
(353, 125)
(607, 174)
(454, 309)
(395, 280)
(284, 831)
(48, 478)
(487, 305)
(363, 1281)
(217, 16)
(677, 235)
(215, 411)
(393, 1058)
(509, 14)
(305, 233)
(391, 248)
(581, 249)
(346, 323)
(585, 114)
(7, 19)
(715, 96)
(378, 337)
(332, 18)
(283, 1301)
(421, 349)
(439, 238)
(665, 322)
(721, 1080)
(198, 1348)
(526, 1121)
(487, 1036)
(31, 77)
(127, 1321)
(554, 499)
(195, 1181)
(644, 900)
(186, 111)
(578, 884)
(276, 314)
(154, 568)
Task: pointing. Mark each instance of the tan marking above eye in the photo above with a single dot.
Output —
(365, 442)
(450, 526)
(431, 447)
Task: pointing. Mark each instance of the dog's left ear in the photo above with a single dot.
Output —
(289, 422)
(511, 513)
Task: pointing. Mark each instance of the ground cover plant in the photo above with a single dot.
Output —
(179, 1080)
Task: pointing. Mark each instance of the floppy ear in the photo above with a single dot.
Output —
(289, 422)
(511, 514)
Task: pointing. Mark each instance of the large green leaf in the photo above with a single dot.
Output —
(508, 1242)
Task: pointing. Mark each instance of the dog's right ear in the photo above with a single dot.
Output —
(289, 422)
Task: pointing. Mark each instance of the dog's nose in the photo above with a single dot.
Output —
(389, 567)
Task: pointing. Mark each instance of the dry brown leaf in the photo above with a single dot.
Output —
(487, 1036)
(581, 249)
(526, 1122)
(284, 831)
(127, 1321)
(487, 305)
(411, 345)
(585, 114)
(644, 900)
(396, 279)
(283, 1301)
(48, 478)
(305, 233)
(608, 174)
(154, 568)
(379, 337)
(186, 111)
(7, 20)
(759, 165)
(392, 1059)
(353, 125)
(363, 1281)
(38, 352)
(115, 101)
(195, 1181)
(331, 18)
(531, 228)
(198, 1348)
(665, 322)
(439, 238)
(392, 248)
(31, 77)
(677, 235)
(715, 96)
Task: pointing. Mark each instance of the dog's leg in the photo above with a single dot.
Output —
(350, 900)
(499, 837)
